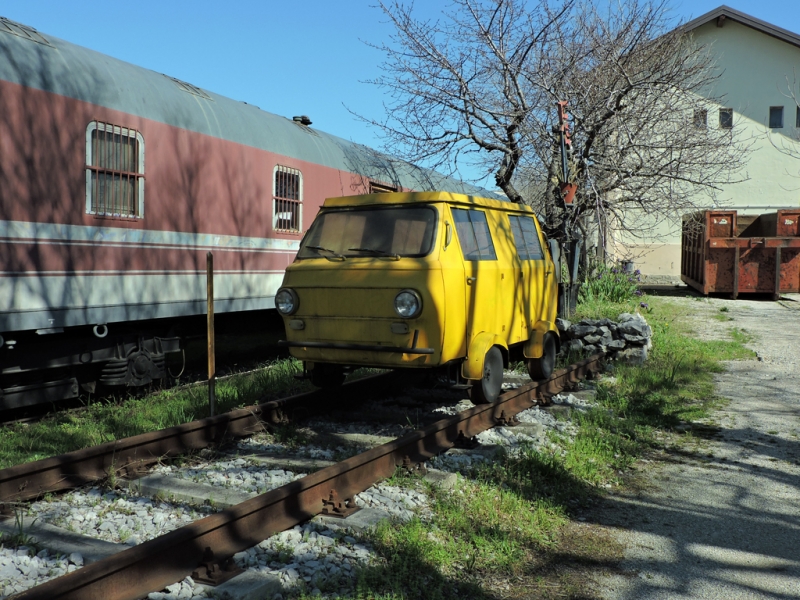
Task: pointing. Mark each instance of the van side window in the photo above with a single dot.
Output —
(473, 234)
(526, 239)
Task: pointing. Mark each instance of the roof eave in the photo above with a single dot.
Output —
(745, 19)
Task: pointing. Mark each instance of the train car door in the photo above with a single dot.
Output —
(483, 297)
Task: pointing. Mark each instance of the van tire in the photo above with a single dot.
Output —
(327, 376)
(488, 388)
(542, 367)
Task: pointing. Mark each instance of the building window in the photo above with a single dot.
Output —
(114, 171)
(726, 118)
(700, 118)
(287, 194)
(775, 117)
(473, 233)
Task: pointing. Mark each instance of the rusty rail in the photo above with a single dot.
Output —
(150, 566)
(127, 456)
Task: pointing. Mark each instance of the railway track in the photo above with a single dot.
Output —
(231, 523)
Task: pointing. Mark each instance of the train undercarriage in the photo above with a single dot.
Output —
(54, 365)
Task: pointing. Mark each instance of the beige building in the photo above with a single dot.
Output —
(761, 66)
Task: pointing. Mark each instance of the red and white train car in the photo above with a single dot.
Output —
(115, 181)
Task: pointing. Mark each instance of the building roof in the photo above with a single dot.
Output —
(726, 12)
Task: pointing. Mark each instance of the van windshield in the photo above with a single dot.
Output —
(384, 231)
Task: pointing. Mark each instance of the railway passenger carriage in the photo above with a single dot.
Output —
(114, 183)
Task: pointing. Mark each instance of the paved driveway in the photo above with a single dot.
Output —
(723, 521)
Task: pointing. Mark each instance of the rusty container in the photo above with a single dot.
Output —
(724, 252)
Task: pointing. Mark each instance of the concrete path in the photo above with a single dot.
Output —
(722, 520)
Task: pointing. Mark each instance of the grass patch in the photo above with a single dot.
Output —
(505, 531)
(479, 531)
(609, 283)
(101, 422)
(596, 309)
(675, 386)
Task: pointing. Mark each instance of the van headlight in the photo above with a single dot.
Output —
(286, 301)
(408, 304)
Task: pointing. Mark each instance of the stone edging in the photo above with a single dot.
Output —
(628, 339)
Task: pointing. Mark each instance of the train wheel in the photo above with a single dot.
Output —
(542, 368)
(327, 376)
(488, 388)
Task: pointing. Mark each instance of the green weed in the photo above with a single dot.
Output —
(740, 336)
(609, 284)
(508, 517)
(20, 536)
(99, 422)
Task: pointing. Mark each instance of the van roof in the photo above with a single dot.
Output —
(415, 197)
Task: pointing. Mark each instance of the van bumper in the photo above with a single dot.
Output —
(362, 347)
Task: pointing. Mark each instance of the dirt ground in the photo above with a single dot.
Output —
(720, 518)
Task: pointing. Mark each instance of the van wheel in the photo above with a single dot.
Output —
(542, 368)
(327, 376)
(488, 388)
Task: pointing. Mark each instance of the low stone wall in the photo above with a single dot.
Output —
(627, 339)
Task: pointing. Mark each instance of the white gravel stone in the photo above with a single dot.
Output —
(20, 571)
(239, 474)
(113, 518)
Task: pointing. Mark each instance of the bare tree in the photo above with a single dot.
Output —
(458, 90)
(789, 145)
(478, 87)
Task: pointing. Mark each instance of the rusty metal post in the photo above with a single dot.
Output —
(212, 369)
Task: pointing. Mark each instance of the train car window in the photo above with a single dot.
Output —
(379, 188)
(526, 238)
(473, 234)
(287, 200)
(23, 31)
(393, 231)
(114, 171)
(189, 88)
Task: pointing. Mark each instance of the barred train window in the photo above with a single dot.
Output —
(114, 171)
(287, 200)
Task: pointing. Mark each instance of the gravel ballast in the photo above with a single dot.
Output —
(311, 556)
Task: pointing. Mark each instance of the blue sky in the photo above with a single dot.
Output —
(287, 58)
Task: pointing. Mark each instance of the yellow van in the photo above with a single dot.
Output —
(422, 280)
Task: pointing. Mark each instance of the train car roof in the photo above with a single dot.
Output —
(43, 62)
(423, 197)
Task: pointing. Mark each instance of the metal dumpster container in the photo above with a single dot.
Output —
(724, 252)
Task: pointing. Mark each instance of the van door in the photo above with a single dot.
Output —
(533, 270)
(483, 297)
